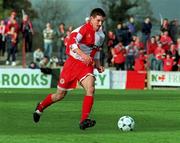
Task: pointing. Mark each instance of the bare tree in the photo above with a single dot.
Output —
(6, 6)
(53, 11)
(121, 10)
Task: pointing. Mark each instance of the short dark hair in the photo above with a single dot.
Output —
(62, 24)
(97, 11)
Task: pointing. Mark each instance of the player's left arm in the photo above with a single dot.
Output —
(98, 66)
(97, 63)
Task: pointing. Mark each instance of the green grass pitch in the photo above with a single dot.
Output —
(156, 114)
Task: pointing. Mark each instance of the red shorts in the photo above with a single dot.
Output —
(72, 72)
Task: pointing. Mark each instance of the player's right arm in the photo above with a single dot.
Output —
(86, 58)
(75, 38)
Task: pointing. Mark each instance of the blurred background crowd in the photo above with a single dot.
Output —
(132, 42)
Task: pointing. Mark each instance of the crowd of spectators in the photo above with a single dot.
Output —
(14, 30)
(10, 29)
(127, 48)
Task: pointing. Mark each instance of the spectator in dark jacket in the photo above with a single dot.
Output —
(131, 26)
(146, 30)
(173, 30)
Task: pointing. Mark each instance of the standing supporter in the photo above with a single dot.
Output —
(146, 31)
(2, 37)
(126, 37)
(110, 44)
(27, 31)
(130, 56)
(174, 54)
(83, 51)
(140, 60)
(178, 47)
(151, 47)
(11, 46)
(131, 26)
(168, 62)
(152, 44)
(61, 47)
(48, 34)
(159, 56)
(12, 22)
(166, 40)
(164, 25)
(119, 33)
(119, 56)
(174, 30)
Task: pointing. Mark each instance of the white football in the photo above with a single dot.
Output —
(126, 123)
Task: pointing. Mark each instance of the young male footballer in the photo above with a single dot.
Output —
(83, 56)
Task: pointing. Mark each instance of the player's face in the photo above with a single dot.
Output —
(97, 22)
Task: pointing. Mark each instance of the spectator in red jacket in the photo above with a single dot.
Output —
(168, 62)
(152, 44)
(159, 56)
(166, 40)
(119, 54)
(151, 47)
(140, 61)
(138, 44)
(12, 22)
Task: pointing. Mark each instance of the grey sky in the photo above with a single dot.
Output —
(168, 8)
(80, 9)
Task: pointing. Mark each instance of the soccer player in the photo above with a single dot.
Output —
(83, 56)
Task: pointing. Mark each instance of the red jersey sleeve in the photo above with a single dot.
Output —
(76, 36)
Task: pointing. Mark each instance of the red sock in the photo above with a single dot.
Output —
(45, 103)
(86, 107)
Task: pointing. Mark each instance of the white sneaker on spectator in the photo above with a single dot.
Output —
(7, 62)
(13, 63)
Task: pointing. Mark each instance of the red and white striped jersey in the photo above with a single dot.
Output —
(88, 40)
